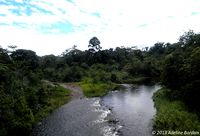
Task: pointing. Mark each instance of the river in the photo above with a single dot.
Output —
(127, 112)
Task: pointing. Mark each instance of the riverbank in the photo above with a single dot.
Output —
(97, 89)
(56, 95)
(86, 115)
(172, 115)
(61, 93)
(76, 91)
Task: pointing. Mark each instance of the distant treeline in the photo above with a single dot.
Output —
(22, 94)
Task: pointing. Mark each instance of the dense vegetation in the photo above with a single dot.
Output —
(24, 98)
(178, 102)
(23, 94)
(173, 115)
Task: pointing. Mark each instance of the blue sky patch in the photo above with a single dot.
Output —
(42, 10)
(20, 24)
(194, 13)
(62, 11)
(71, 1)
(23, 7)
(14, 3)
(29, 11)
(61, 27)
(2, 15)
(4, 3)
(15, 12)
(3, 24)
(81, 19)
(11, 2)
(96, 14)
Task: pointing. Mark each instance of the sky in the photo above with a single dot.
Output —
(52, 26)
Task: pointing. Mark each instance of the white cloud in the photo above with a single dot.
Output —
(127, 22)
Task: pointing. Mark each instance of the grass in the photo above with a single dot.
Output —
(173, 115)
(57, 96)
(98, 89)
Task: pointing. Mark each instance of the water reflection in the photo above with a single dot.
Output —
(134, 108)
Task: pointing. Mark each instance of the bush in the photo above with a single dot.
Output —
(91, 89)
(173, 115)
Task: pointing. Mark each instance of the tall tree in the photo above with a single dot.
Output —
(94, 45)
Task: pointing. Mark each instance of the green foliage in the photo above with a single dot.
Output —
(134, 67)
(4, 57)
(26, 58)
(157, 50)
(24, 118)
(50, 99)
(138, 80)
(22, 92)
(95, 89)
(171, 76)
(172, 114)
(24, 99)
(94, 43)
(181, 71)
(28, 106)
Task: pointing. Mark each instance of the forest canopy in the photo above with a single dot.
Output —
(23, 94)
